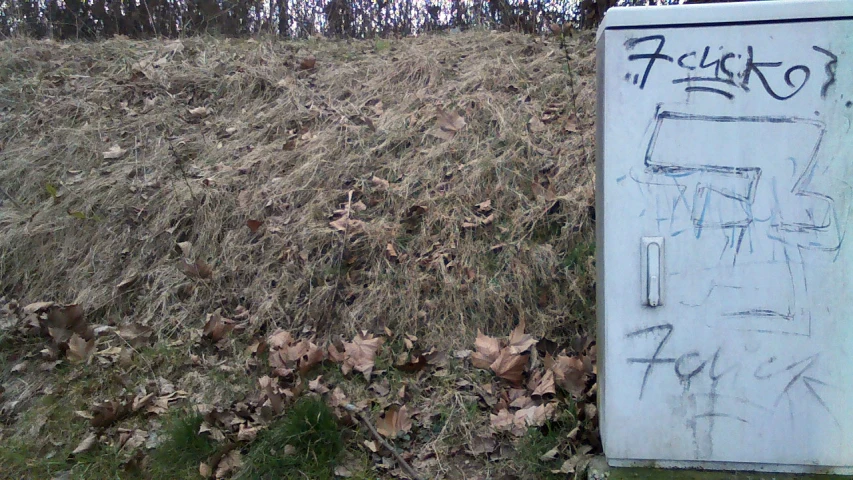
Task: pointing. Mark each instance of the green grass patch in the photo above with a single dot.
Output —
(305, 443)
(183, 450)
(539, 441)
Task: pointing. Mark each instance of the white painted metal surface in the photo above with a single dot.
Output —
(725, 130)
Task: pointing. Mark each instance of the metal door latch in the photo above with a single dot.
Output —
(653, 271)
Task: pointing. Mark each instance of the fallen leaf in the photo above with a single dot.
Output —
(361, 354)
(186, 248)
(371, 445)
(510, 366)
(200, 111)
(394, 421)
(410, 363)
(107, 413)
(83, 414)
(345, 224)
(204, 470)
(217, 326)
(254, 225)
(114, 153)
(381, 389)
(590, 411)
(141, 401)
(480, 445)
(484, 207)
(86, 444)
(534, 415)
(336, 355)
(279, 339)
(380, 182)
(20, 367)
(571, 124)
(448, 125)
(502, 421)
(569, 375)
(271, 392)
(487, 351)
(521, 402)
(80, 350)
(309, 355)
(545, 385)
(135, 334)
(127, 281)
(536, 125)
(199, 269)
(549, 455)
(391, 251)
(159, 406)
(341, 471)
(520, 342)
(135, 440)
(247, 434)
(308, 62)
(338, 398)
(69, 317)
(229, 463)
(316, 386)
(37, 307)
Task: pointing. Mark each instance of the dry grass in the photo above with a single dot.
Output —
(289, 147)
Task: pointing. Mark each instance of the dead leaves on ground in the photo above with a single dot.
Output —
(217, 327)
(527, 392)
(534, 387)
(70, 335)
(198, 269)
(288, 354)
(80, 350)
(360, 354)
(448, 124)
(394, 421)
(507, 360)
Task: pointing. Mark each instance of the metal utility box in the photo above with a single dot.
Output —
(724, 187)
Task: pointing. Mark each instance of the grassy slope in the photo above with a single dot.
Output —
(288, 147)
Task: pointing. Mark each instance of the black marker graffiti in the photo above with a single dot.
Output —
(753, 67)
(651, 57)
(655, 358)
(761, 214)
(725, 72)
(830, 68)
(796, 378)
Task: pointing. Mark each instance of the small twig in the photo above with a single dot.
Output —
(180, 164)
(12, 199)
(565, 50)
(403, 464)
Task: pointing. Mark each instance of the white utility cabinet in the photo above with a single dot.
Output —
(724, 190)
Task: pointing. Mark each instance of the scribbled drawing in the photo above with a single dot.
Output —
(740, 214)
(799, 380)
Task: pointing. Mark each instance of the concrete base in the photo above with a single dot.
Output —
(600, 469)
(756, 468)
